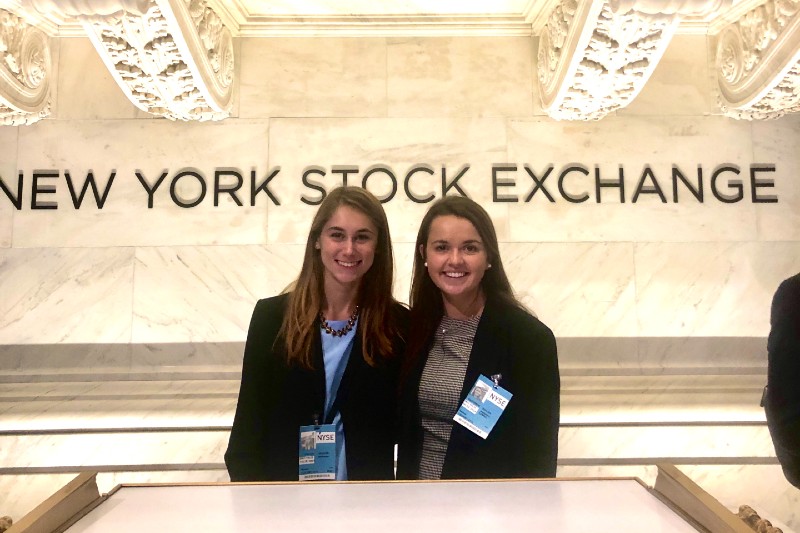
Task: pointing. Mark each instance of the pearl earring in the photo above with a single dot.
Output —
(426, 264)
(488, 266)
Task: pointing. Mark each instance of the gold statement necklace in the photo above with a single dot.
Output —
(338, 332)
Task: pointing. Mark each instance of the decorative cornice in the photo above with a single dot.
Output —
(593, 61)
(25, 72)
(174, 61)
(758, 62)
(172, 58)
(595, 57)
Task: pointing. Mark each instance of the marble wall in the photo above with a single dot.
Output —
(676, 293)
(130, 273)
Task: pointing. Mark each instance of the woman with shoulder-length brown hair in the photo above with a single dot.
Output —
(469, 334)
(326, 352)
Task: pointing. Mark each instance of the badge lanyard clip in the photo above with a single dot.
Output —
(496, 379)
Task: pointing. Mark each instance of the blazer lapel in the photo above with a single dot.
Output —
(318, 377)
(485, 357)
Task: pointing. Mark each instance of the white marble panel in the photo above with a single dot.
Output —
(65, 295)
(457, 77)
(191, 356)
(775, 143)
(614, 145)
(207, 293)
(149, 147)
(313, 77)
(114, 405)
(691, 354)
(97, 362)
(650, 355)
(86, 89)
(404, 266)
(577, 289)
(682, 82)
(8, 173)
(710, 289)
(446, 146)
(658, 442)
(603, 355)
(24, 362)
(661, 399)
(118, 449)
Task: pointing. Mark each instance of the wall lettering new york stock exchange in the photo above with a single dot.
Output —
(420, 183)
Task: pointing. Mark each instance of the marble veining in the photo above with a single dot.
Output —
(119, 449)
(114, 405)
(404, 265)
(657, 399)
(454, 77)
(642, 442)
(773, 142)
(577, 289)
(660, 310)
(65, 295)
(177, 286)
(725, 353)
(316, 77)
(686, 289)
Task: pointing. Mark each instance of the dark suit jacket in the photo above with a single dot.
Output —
(783, 377)
(275, 400)
(524, 443)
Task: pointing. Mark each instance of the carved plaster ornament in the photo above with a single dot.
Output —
(25, 71)
(758, 62)
(595, 57)
(172, 58)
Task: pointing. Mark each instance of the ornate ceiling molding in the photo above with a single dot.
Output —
(172, 58)
(758, 62)
(595, 57)
(25, 72)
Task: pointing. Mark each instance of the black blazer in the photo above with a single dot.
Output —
(276, 399)
(524, 443)
(783, 375)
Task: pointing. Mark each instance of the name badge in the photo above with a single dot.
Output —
(317, 453)
(482, 407)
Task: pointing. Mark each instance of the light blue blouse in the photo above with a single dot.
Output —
(335, 354)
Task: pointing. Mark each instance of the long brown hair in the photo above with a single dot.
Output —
(375, 301)
(427, 306)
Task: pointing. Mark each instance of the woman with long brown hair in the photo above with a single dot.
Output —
(473, 351)
(325, 353)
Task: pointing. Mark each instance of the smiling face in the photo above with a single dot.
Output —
(456, 259)
(347, 246)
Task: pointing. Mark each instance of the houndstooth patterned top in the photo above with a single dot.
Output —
(440, 389)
